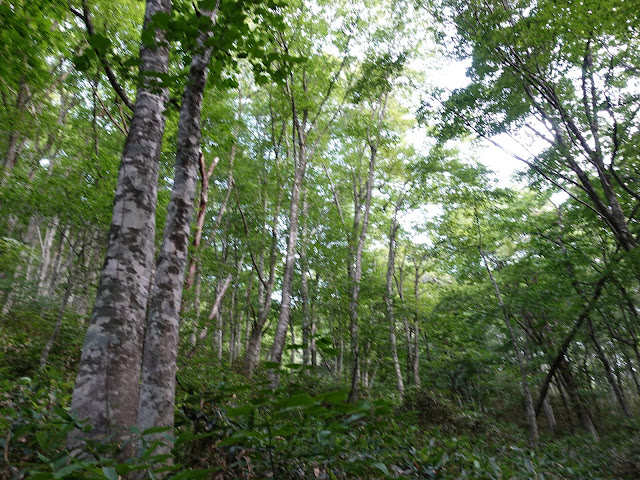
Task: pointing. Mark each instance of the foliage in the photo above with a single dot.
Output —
(343, 84)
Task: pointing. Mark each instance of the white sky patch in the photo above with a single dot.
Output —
(501, 161)
(414, 221)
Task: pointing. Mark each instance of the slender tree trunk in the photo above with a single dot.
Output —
(416, 329)
(293, 340)
(265, 295)
(632, 372)
(534, 436)
(389, 297)
(107, 386)
(221, 290)
(304, 285)
(275, 354)
(314, 326)
(233, 323)
(24, 266)
(551, 418)
(46, 244)
(15, 140)
(44, 357)
(355, 271)
(575, 398)
(218, 338)
(618, 392)
(54, 279)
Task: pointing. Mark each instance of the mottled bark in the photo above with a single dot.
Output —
(415, 370)
(360, 226)
(393, 229)
(304, 285)
(157, 391)
(275, 354)
(15, 140)
(107, 386)
(205, 177)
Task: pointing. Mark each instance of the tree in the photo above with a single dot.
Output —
(547, 69)
(107, 384)
(157, 392)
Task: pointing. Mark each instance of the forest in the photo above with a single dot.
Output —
(322, 239)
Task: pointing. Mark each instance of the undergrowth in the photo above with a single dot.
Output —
(229, 427)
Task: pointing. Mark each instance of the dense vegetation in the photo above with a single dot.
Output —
(307, 270)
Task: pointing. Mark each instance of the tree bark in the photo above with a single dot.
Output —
(275, 354)
(393, 229)
(304, 285)
(107, 385)
(157, 394)
(355, 269)
(618, 392)
(416, 329)
(205, 176)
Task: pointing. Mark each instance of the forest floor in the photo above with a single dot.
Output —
(230, 427)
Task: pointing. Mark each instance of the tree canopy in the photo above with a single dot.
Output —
(260, 239)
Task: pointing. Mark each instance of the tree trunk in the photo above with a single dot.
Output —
(416, 329)
(551, 418)
(107, 385)
(157, 393)
(44, 357)
(221, 290)
(54, 279)
(355, 271)
(15, 140)
(275, 354)
(46, 244)
(530, 411)
(389, 297)
(205, 176)
(304, 285)
(575, 398)
(265, 298)
(618, 392)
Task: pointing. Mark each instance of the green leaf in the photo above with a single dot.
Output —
(336, 397)
(42, 457)
(99, 42)
(42, 439)
(161, 20)
(110, 473)
(67, 470)
(239, 411)
(353, 418)
(152, 430)
(298, 400)
(382, 467)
